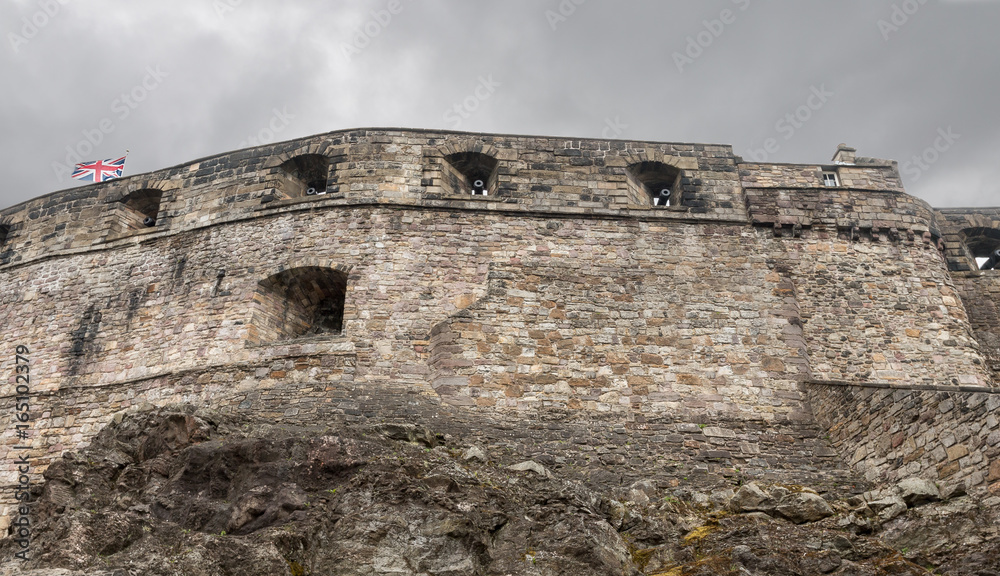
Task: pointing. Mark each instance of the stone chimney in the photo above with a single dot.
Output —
(844, 155)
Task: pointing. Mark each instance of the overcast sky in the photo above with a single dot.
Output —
(782, 80)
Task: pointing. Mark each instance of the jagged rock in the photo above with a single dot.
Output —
(802, 507)
(888, 507)
(854, 523)
(474, 453)
(721, 498)
(822, 562)
(752, 498)
(917, 491)
(408, 433)
(531, 465)
(952, 490)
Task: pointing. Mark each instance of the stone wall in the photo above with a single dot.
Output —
(562, 314)
(947, 434)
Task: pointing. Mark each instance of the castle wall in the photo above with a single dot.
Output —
(562, 311)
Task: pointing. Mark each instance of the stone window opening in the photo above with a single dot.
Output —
(4, 233)
(298, 303)
(830, 179)
(982, 247)
(659, 182)
(141, 209)
(472, 173)
(304, 175)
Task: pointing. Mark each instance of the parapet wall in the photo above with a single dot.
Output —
(562, 301)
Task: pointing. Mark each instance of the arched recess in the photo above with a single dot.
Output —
(303, 175)
(142, 207)
(471, 173)
(982, 247)
(310, 169)
(453, 168)
(137, 206)
(654, 183)
(298, 302)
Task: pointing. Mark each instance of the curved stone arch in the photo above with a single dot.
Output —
(459, 147)
(131, 185)
(312, 148)
(630, 157)
(306, 262)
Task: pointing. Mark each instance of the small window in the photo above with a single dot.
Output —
(141, 209)
(4, 232)
(830, 179)
(472, 173)
(659, 182)
(305, 175)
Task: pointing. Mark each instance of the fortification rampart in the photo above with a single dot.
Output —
(539, 292)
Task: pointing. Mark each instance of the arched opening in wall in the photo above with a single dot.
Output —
(472, 173)
(655, 183)
(305, 175)
(299, 302)
(140, 209)
(982, 247)
(4, 233)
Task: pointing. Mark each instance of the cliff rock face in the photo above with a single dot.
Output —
(190, 492)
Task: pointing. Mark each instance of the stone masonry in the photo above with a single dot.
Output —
(768, 322)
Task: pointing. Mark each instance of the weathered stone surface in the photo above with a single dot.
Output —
(801, 507)
(917, 491)
(530, 466)
(752, 498)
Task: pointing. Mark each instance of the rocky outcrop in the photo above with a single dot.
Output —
(190, 492)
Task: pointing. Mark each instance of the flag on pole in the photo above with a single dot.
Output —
(99, 170)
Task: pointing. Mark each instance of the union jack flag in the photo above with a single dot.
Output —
(99, 170)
